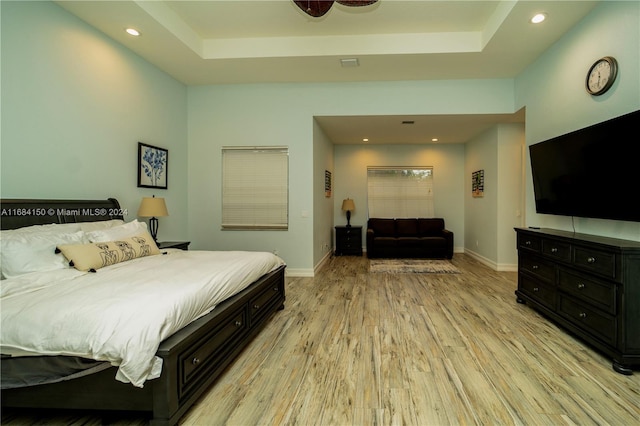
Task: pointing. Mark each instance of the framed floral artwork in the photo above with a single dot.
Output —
(153, 166)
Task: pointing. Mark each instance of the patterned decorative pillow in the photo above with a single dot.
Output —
(85, 257)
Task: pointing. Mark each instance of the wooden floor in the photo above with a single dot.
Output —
(356, 348)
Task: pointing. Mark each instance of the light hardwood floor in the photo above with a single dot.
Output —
(356, 348)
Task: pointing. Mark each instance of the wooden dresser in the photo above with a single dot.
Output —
(587, 284)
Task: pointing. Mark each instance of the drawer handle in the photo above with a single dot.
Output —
(256, 306)
(554, 250)
(581, 286)
(536, 289)
(535, 266)
(527, 243)
(583, 314)
(195, 361)
(591, 260)
(238, 323)
(275, 289)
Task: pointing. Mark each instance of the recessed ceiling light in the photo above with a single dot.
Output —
(133, 32)
(537, 18)
(365, 140)
(434, 140)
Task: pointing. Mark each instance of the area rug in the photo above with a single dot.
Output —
(423, 266)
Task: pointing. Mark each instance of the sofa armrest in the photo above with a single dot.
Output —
(369, 241)
(370, 234)
(448, 235)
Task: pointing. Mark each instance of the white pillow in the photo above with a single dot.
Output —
(34, 252)
(61, 228)
(58, 228)
(126, 230)
(101, 224)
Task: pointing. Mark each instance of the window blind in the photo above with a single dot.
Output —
(255, 187)
(395, 192)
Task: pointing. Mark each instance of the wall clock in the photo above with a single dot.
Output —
(601, 75)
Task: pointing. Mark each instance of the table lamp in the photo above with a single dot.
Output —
(153, 207)
(348, 206)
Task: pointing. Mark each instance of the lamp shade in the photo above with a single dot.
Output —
(348, 205)
(152, 207)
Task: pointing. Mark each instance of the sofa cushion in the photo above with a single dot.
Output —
(431, 226)
(409, 241)
(383, 227)
(407, 227)
(433, 242)
(385, 242)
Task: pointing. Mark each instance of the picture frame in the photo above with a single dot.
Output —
(477, 183)
(153, 166)
(327, 183)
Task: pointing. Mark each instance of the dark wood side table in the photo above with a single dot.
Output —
(182, 245)
(348, 240)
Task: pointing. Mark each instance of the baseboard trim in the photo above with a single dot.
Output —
(299, 273)
(500, 267)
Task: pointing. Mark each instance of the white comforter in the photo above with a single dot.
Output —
(122, 312)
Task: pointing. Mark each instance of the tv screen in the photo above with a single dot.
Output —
(592, 172)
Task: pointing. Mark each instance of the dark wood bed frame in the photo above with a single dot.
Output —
(193, 358)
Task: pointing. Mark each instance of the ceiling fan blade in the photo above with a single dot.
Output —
(315, 8)
(356, 2)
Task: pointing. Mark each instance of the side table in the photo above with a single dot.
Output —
(182, 245)
(348, 240)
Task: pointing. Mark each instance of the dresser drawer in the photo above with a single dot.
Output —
(539, 267)
(597, 323)
(541, 292)
(600, 262)
(556, 250)
(529, 242)
(348, 232)
(260, 304)
(349, 245)
(600, 294)
(208, 351)
(349, 242)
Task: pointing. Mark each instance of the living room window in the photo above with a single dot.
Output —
(255, 188)
(400, 192)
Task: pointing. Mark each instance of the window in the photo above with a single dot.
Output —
(400, 192)
(255, 189)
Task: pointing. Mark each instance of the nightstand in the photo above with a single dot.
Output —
(349, 240)
(182, 245)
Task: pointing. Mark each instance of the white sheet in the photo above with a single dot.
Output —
(122, 312)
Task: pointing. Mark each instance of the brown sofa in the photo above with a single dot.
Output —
(417, 238)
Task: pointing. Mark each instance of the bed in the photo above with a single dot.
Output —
(183, 364)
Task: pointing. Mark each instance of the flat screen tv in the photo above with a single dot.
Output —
(592, 172)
